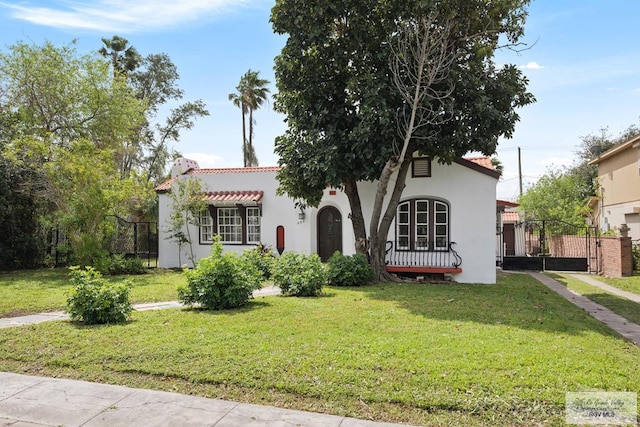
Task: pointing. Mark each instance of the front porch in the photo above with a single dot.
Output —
(416, 262)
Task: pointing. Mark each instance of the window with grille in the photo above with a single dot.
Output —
(229, 225)
(422, 225)
(235, 225)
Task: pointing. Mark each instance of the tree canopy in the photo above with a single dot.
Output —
(344, 111)
(79, 139)
(562, 194)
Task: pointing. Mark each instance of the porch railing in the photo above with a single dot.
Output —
(421, 258)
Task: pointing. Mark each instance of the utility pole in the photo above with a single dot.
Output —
(520, 170)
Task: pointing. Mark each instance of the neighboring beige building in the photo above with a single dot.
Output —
(618, 199)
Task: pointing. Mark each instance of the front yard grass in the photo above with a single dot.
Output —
(35, 291)
(626, 308)
(451, 355)
(629, 284)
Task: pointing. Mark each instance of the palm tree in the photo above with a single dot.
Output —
(251, 94)
(123, 58)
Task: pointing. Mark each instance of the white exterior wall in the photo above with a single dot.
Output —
(276, 210)
(471, 196)
(624, 213)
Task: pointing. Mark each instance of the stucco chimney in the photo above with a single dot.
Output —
(181, 165)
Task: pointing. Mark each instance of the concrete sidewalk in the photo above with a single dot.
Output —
(616, 322)
(28, 401)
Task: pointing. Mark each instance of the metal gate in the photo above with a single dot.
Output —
(550, 245)
(136, 239)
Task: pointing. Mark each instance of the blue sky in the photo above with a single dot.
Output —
(583, 65)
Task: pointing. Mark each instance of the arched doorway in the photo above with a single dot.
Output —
(329, 232)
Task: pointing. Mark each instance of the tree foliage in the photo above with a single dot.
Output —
(562, 193)
(186, 204)
(21, 239)
(344, 110)
(558, 195)
(80, 140)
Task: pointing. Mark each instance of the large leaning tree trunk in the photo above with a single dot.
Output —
(350, 187)
(421, 61)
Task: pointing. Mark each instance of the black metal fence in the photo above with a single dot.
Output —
(421, 258)
(58, 249)
(550, 245)
(135, 239)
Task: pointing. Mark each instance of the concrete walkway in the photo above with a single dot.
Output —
(31, 319)
(616, 322)
(28, 401)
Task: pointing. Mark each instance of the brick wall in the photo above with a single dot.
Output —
(615, 256)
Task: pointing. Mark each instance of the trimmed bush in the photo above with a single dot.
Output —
(92, 300)
(263, 258)
(353, 270)
(220, 281)
(299, 275)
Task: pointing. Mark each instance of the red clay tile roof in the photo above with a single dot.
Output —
(482, 161)
(166, 186)
(479, 164)
(510, 217)
(232, 197)
(207, 171)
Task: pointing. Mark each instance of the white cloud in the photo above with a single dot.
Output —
(205, 160)
(532, 66)
(121, 15)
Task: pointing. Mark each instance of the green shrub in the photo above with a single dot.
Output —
(263, 258)
(220, 281)
(299, 275)
(92, 300)
(116, 264)
(635, 252)
(351, 270)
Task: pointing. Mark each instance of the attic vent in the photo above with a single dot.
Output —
(421, 167)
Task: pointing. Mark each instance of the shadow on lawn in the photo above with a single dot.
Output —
(250, 306)
(517, 300)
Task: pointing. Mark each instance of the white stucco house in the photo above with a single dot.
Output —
(445, 222)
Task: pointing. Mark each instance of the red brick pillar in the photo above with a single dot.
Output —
(615, 256)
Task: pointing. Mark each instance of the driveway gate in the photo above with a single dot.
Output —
(551, 245)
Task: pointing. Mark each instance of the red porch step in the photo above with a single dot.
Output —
(424, 270)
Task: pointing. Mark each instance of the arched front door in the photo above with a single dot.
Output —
(329, 232)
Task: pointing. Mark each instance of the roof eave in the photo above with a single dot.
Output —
(632, 143)
(476, 167)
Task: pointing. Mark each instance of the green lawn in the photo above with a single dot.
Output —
(629, 284)
(35, 291)
(460, 355)
(619, 305)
